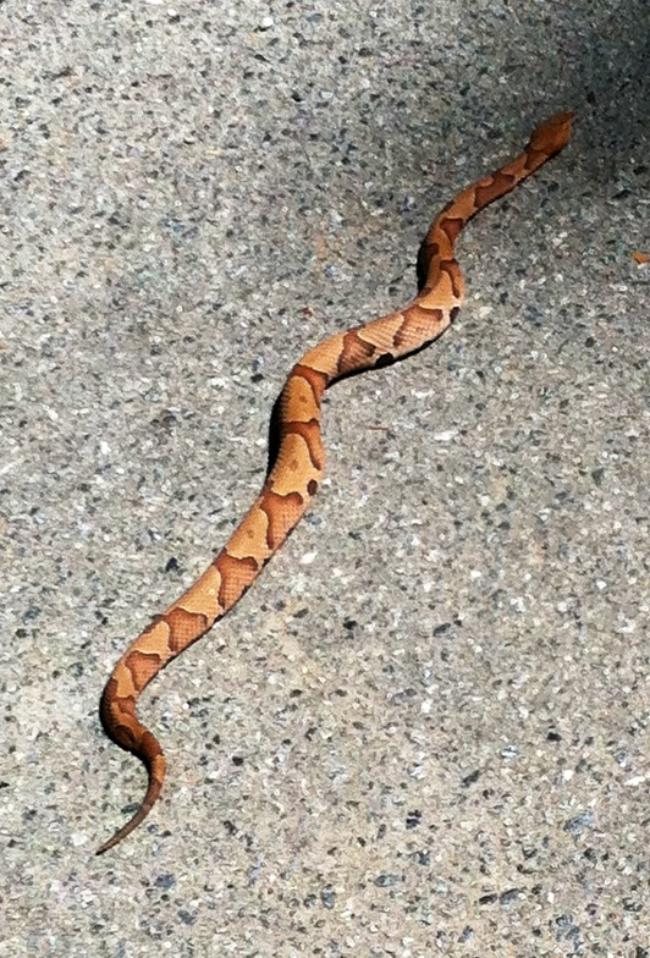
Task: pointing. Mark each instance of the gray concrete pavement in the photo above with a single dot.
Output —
(425, 729)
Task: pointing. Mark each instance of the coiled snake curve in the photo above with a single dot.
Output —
(298, 466)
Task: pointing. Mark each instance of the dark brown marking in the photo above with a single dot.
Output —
(317, 381)
(355, 352)
(310, 432)
(142, 666)
(125, 705)
(236, 576)
(282, 512)
(312, 487)
(399, 336)
(455, 310)
(498, 184)
(452, 225)
(184, 627)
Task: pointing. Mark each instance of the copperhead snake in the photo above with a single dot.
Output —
(298, 466)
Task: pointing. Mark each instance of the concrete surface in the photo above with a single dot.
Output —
(425, 730)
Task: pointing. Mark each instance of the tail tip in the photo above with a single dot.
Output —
(103, 848)
(156, 768)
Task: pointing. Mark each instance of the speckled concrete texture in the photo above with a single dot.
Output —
(425, 730)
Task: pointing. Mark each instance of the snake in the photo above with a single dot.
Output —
(296, 469)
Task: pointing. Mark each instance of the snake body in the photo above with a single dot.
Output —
(298, 467)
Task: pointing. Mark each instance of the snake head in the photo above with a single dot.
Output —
(552, 135)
